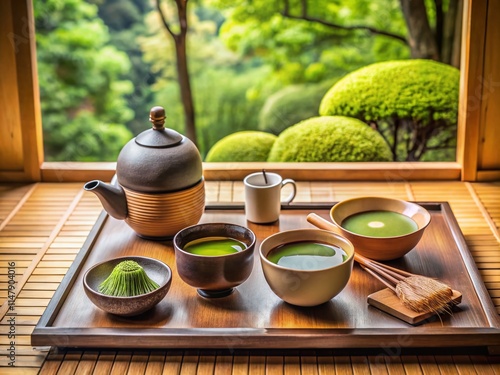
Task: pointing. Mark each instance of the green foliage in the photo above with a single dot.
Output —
(85, 140)
(240, 53)
(329, 138)
(225, 102)
(302, 51)
(242, 147)
(120, 14)
(423, 90)
(82, 93)
(228, 92)
(410, 102)
(223, 106)
(125, 20)
(291, 105)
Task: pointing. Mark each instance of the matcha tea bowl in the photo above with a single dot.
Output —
(306, 267)
(214, 258)
(379, 228)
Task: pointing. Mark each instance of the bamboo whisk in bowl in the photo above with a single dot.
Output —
(158, 272)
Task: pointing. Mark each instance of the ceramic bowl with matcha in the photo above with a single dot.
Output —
(214, 258)
(306, 267)
(380, 228)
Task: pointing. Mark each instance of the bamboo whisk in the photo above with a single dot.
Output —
(127, 279)
(418, 293)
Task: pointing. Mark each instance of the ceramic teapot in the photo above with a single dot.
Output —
(159, 187)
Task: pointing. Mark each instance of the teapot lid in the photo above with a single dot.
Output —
(158, 136)
(159, 159)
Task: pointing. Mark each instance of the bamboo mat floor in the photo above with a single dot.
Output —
(44, 225)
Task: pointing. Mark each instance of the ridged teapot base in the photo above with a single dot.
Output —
(161, 216)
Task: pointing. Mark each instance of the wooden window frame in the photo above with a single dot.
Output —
(21, 144)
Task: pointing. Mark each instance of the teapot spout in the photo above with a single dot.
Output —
(112, 198)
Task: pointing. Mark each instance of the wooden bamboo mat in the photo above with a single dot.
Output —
(43, 226)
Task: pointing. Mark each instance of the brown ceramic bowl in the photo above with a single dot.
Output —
(381, 248)
(127, 306)
(306, 287)
(214, 276)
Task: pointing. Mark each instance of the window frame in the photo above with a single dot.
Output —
(478, 59)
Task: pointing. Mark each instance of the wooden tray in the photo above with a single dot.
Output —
(253, 317)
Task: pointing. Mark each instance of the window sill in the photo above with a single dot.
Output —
(375, 171)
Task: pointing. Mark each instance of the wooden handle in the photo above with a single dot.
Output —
(396, 272)
(321, 223)
(379, 278)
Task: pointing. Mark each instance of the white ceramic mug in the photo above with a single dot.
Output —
(263, 199)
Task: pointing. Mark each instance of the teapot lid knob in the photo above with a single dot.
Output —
(159, 136)
(157, 117)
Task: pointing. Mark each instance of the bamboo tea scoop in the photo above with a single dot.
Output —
(410, 297)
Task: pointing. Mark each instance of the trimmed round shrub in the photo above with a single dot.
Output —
(291, 105)
(330, 138)
(242, 146)
(409, 102)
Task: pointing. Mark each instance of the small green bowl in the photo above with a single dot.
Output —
(127, 306)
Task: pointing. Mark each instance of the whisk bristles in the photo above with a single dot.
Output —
(127, 279)
(423, 294)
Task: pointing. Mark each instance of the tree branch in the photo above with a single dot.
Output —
(438, 4)
(394, 147)
(374, 125)
(305, 17)
(304, 8)
(164, 20)
(182, 12)
(286, 7)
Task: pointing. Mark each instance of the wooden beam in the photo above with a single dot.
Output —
(20, 123)
(29, 95)
(471, 67)
(374, 171)
(486, 175)
(488, 152)
(11, 143)
(355, 171)
(77, 171)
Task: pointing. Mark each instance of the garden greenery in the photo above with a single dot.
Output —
(253, 65)
(412, 103)
(291, 105)
(241, 147)
(329, 138)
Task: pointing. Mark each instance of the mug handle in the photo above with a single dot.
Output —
(294, 189)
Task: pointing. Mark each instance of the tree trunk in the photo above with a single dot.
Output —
(185, 90)
(457, 36)
(395, 140)
(183, 73)
(421, 38)
(182, 65)
(452, 29)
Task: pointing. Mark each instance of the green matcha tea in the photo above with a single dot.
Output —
(379, 224)
(214, 246)
(307, 255)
